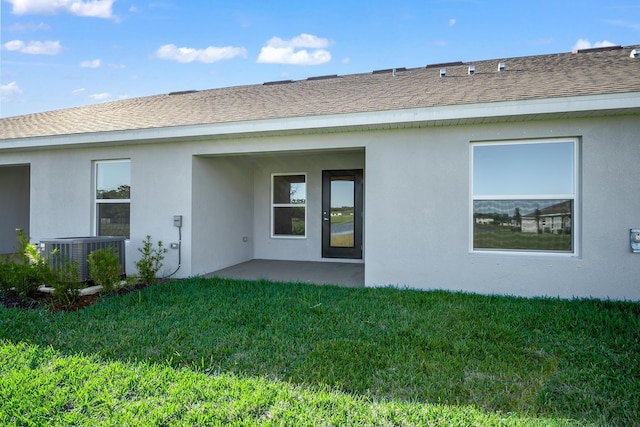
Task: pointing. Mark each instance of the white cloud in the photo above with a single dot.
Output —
(34, 47)
(100, 96)
(346, 60)
(452, 22)
(294, 51)
(10, 89)
(303, 40)
(209, 55)
(586, 44)
(90, 8)
(93, 63)
(23, 28)
(77, 91)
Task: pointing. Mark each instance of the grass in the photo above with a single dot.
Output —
(225, 352)
(342, 240)
(494, 237)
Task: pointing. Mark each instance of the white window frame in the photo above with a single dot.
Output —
(288, 205)
(575, 197)
(97, 201)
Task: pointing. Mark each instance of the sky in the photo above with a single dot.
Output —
(67, 53)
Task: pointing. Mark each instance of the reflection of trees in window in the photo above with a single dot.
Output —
(113, 219)
(545, 225)
(122, 192)
(289, 205)
(523, 195)
(113, 195)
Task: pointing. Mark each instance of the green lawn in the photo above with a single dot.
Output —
(494, 237)
(199, 352)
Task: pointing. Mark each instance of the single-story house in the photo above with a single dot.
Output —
(554, 219)
(254, 172)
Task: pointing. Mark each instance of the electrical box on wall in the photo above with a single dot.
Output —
(177, 220)
(634, 238)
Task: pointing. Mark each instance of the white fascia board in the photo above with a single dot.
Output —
(566, 105)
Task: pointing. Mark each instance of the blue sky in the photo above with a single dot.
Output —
(67, 53)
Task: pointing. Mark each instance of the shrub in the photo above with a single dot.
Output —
(151, 261)
(105, 269)
(66, 287)
(6, 272)
(28, 271)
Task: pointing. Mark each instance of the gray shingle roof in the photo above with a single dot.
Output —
(594, 72)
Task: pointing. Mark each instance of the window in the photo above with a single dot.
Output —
(288, 205)
(524, 196)
(113, 198)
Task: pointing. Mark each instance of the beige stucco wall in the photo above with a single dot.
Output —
(300, 249)
(62, 194)
(425, 244)
(417, 216)
(222, 233)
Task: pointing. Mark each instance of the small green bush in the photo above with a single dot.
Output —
(66, 287)
(6, 272)
(151, 261)
(28, 271)
(105, 269)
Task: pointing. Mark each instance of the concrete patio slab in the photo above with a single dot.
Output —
(319, 273)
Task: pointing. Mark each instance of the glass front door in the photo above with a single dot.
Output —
(342, 214)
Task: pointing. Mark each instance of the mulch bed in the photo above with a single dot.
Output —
(11, 299)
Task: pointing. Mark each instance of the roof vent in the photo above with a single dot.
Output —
(635, 53)
(501, 67)
(389, 70)
(279, 82)
(443, 72)
(472, 70)
(599, 49)
(330, 76)
(445, 64)
(182, 92)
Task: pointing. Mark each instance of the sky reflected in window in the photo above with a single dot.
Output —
(523, 169)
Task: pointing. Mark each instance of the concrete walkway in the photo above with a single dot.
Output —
(320, 273)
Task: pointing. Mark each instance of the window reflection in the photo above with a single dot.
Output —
(342, 212)
(524, 196)
(289, 189)
(113, 180)
(289, 205)
(523, 169)
(523, 224)
(113, 196)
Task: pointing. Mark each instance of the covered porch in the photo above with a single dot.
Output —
(284, 216)
(318, 273)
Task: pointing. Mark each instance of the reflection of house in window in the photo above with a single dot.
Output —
(554, 219)
(484, 219)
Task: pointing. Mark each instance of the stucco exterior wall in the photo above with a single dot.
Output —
(62, 194)
(418, 221)
(222, 233)
(298, 249)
